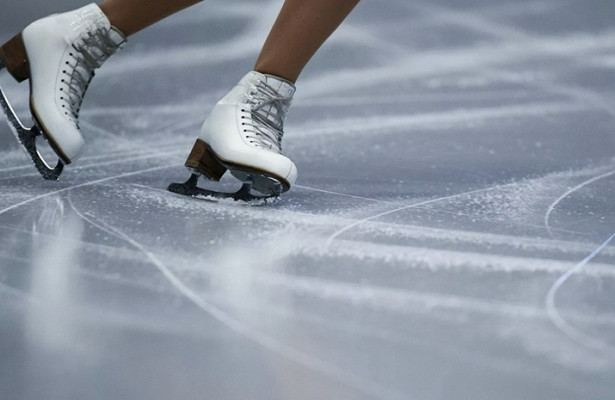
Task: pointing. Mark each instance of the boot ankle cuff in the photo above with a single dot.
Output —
(94, 15)
(117, 36)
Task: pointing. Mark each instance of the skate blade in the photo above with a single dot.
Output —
(190, 188)
(265, 184)
(203, 160)
(27, 138)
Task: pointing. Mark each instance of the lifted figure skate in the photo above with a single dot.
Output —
(243, 135)
(58, 55)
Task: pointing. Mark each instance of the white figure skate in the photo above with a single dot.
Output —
(243, 135)
(58, 55)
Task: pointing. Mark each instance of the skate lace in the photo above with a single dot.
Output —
(87, 54)
(265, 128)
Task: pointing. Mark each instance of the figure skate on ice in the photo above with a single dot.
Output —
(58, 55)
(243, 135)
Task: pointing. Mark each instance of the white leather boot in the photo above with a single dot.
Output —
(59, 54)
(243, 134)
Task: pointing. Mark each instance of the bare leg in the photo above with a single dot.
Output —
(130, 16)
(301, 28)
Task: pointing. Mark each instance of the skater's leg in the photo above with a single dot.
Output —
(130, 16)
(301, 28)
(244, 132)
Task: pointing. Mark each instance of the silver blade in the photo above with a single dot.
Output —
(27, 139)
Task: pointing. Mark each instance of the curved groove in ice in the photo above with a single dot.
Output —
(552, 206)
(352, 196)
(348, 227)
(570, 331)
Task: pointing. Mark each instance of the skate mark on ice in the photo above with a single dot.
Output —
(552, 206)
(574, 334)
(556, 318)
(147, 156)
(313, 189)
(139, 156)
(241, 329)
(111, 154)
(348, 227)
(81, 185)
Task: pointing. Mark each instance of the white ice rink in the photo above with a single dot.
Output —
(450, 236)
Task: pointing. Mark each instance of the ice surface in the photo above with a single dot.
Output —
(449, 237)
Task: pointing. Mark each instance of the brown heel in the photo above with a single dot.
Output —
(13, 56)
(203, 160)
